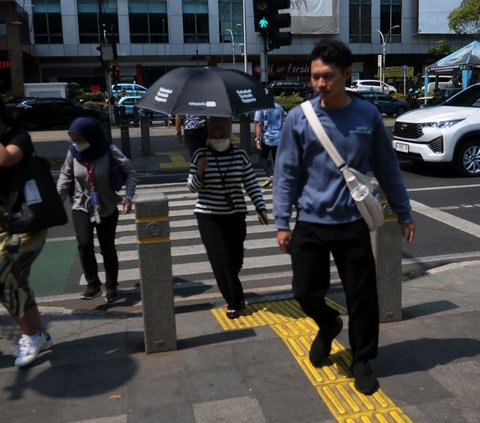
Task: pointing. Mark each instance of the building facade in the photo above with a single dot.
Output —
(58, 40)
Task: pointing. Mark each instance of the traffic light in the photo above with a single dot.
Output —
(261, 16)
(277, 38)
(115, 73)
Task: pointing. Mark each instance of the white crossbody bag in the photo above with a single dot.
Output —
(362, 190)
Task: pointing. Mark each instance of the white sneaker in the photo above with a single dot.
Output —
(46, 346)
(30, 346)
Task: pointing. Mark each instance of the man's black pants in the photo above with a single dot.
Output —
(351, 249)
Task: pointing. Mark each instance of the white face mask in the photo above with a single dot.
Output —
(219, 144)
(81, 146)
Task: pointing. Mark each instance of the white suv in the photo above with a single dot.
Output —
(373, 85)
(449, 133)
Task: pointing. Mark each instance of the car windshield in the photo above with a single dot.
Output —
(469, 97)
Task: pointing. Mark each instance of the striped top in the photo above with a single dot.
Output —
(217, 197)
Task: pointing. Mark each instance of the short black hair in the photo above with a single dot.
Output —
(333, 52)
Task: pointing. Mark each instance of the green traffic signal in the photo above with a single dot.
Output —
(263, 23)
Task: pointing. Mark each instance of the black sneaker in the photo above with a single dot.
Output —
(322, 344)
(91, 292)
(365, 380)
(111, 295)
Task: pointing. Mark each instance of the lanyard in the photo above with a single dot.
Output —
(91, 185)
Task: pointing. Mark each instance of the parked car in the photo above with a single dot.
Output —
(373, 85)
(128, 102)
(449, 133)
(50, 113)
(385, 102)
(289, 88)
(128, 89)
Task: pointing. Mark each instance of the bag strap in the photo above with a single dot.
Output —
(322, 136)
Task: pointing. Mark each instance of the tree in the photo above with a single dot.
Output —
(439, 50)
(465, 19)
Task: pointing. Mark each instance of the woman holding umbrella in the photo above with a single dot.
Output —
(218, 173)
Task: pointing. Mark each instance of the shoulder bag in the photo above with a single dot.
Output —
(34, 203)
(361, 187)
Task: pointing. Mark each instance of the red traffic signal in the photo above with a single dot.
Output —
(115, 72)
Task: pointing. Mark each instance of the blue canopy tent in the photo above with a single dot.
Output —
(464, 61)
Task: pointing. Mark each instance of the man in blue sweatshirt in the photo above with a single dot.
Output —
(327, 221)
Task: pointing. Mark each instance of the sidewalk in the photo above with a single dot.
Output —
(254, 371)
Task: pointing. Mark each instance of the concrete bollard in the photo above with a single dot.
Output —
(387, 249)
(155, 259)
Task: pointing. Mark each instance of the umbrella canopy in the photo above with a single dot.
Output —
(206, 92)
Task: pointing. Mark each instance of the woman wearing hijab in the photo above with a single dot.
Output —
(219, 173)
(18, 251)
(94, 202)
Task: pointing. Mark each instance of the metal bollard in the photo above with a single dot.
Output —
(154, 254)
(245, 133)
(145, 133)
(387, 249)
(124, 134)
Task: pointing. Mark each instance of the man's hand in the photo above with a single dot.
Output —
(284, 239)
(408, 231)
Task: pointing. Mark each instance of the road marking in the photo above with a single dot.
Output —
(334, 382)
(446, 218)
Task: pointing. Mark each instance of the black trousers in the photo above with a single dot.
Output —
(268, 164)
(106, 237)
(223, 237)
(351, 249)
(195, 139)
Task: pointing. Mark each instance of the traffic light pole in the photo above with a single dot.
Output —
(264, 61)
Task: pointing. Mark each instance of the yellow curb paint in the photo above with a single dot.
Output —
(333, 382)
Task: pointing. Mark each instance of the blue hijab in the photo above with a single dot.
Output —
(90, 129)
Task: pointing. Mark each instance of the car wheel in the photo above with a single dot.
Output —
(392, 92)
(467, 159)
(400, 111)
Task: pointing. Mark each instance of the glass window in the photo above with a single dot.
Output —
(230, 14)
(3, 28)
(47, 22)
(360, 25)
(148, 21)
(195, 21)
(390, 17)
(94, 20)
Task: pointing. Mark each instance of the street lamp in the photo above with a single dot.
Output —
(384, 53)
(233, 46)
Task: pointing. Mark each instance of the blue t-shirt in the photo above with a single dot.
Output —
(272, 120)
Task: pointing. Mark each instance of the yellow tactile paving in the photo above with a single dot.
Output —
(333, 382)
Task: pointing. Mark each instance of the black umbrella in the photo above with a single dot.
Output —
(206, 92)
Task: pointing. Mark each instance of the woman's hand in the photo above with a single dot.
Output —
(262, 217)
(202, 165)
(127, 206)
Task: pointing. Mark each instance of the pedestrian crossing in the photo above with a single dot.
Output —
(265, 269)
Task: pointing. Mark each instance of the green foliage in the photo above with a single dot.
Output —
(74, 90)
(441, 49)
(289, 101)
(465, 19)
